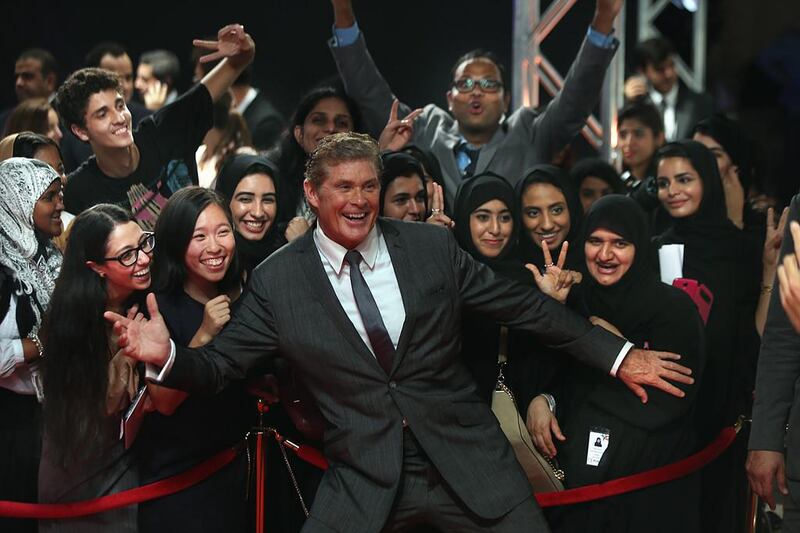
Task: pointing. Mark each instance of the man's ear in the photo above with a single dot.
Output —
(311, 193)
(80, 133)
(298, 134)
(50, 80)
(449, 96)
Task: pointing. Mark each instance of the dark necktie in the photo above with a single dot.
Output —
(473, 154)
(376, 330)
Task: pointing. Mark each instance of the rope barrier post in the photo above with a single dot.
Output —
(261, 452)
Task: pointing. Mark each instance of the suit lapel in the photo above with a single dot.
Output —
(488, 151)
(405, 281)
(684, 113)
(320, 285)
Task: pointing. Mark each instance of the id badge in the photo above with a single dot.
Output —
(597, 446)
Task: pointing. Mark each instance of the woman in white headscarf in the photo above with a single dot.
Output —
(30, 215)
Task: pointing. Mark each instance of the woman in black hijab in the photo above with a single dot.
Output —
(250, 184)
(720, 256)
(548, 211)
(609, 433)
(594, 178)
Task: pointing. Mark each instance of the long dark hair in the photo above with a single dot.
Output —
(174, 231)
(290, 157)
(75, 340)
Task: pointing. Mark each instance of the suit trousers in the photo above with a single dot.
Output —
(791, 508)
(425, 499)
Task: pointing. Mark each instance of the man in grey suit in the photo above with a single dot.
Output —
(476, 135)
(775, 453)
(367, 311)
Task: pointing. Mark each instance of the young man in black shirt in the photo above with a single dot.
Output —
(138, 170)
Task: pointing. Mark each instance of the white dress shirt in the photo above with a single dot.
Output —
(378, 273)
(669, 115)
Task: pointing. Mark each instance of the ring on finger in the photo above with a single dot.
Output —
(548, 265)
(436, 211)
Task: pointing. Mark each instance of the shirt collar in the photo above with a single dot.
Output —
(335, 252)
(252, 92)
(671, 97)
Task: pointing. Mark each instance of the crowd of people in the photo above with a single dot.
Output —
(364, 262)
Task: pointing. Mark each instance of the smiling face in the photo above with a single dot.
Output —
(608, 256)
(329, 115)
(108, 122)
(254, 206)
(404, 199)
(477, 111)
(210, 251)
(347, 201)
(680, 188)
(122, 281)
(545, 214)
(491, 226)
(47, 210)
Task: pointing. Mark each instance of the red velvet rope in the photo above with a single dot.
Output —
(147, 492)
(662, 474)
(312, 456)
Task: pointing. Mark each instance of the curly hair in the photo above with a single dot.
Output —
(73, 96)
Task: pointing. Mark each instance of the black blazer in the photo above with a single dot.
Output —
(264, 122)
(291, 309)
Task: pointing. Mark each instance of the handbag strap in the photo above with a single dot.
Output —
(502, 354)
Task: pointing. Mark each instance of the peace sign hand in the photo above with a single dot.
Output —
(397, 132)
(437, 209)
(232, 43)
(555, 282)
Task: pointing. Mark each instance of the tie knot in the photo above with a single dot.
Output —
(353, 258)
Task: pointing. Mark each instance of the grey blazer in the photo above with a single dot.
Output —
(290, 308)
(524, 139)
(777, 399)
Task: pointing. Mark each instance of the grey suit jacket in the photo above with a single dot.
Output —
(690, 108)
(524, 139)
(290, 308)
(777, 399)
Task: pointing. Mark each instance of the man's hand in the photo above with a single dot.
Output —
(155, 95)
(397, 132)
(604, 14)
(635, 88)
(232, 43)
(648, 367)
(141, 339)
(789, 280)
(762, 467)
(297, 227)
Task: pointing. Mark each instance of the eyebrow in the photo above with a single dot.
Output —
(490, 212)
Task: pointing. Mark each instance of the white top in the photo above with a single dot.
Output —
(378, 273)
(14, 373)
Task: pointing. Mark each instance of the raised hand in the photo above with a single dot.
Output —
(216, 313)
(543, 426)
(155, 95)
(142, 339)
(437, 209)
(635, 87)
(649, 367)
(397, 132)
(555, 282)
(789, 280)
(604, 14)
(772, 244)
(232, 43)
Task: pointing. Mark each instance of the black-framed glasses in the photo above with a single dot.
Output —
(129, 257)
(467, 85)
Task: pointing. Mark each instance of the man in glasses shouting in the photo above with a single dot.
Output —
(477, 135)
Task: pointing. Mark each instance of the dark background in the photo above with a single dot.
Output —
(414, 42)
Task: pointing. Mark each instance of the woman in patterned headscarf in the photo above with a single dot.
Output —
(30, 209)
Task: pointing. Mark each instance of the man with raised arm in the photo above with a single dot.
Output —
(476, 135)
(140, 169)
(372, 330)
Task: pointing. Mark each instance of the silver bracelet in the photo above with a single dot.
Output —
(34, 338)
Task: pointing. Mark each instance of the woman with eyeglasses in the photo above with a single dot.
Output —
(88, 382)
(30, 208)
(196, 279)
